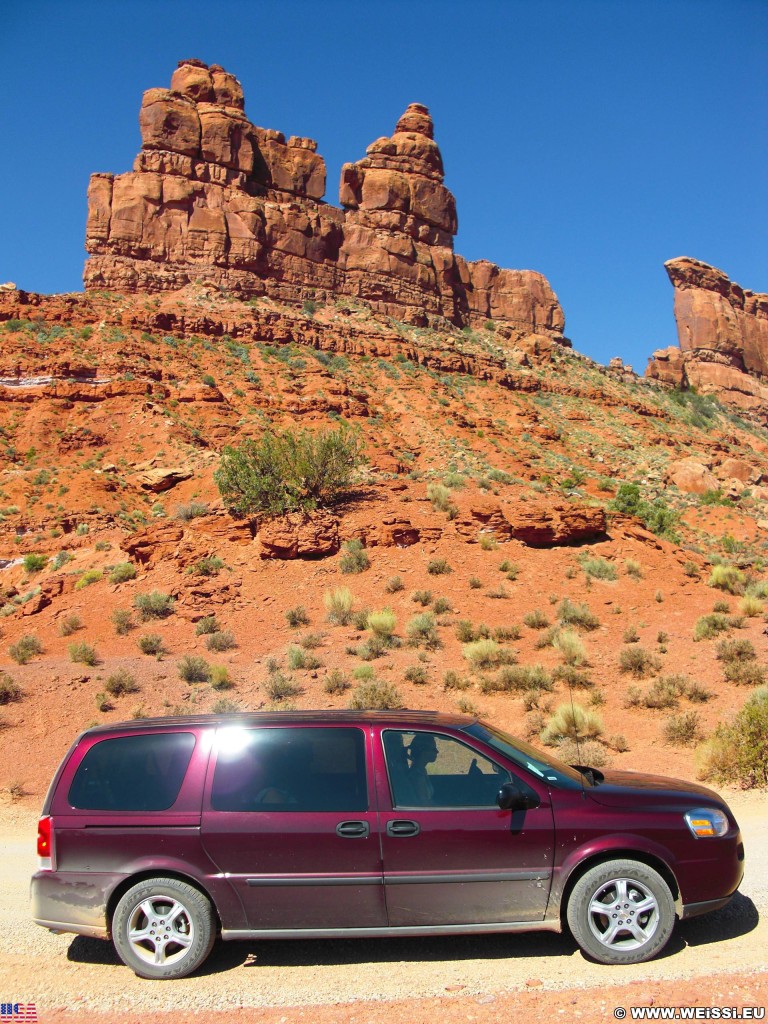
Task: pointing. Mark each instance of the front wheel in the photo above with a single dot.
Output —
(163, 928)
(621, 912)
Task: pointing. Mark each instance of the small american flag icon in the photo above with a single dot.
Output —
(18, 1013)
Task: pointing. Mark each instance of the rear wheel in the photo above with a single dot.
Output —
(621, 912)
(163, 928)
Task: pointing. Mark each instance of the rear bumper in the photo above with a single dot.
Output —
(72, 902)
(696, 909)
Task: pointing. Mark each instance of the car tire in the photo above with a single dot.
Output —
(621, 912)
(163, 928)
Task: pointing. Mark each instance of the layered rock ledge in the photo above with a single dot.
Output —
(213, 197)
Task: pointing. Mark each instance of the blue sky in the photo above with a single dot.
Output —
(588, 139)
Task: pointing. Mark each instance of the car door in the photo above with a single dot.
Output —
(289, 815)
(451, 856)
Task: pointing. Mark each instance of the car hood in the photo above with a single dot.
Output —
(621, 787)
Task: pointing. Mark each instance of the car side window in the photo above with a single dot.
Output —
(429, 769)
(290, 769)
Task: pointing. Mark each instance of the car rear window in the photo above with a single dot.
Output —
(132, 773)
(287, 769)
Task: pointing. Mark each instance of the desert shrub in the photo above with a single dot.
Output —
(70, 624)
(311, 641)
(738, 751)
(360, 618)
(536, 619)
(506, 633)
(422, 597)
(220, 678)
(382, 623)
(89, 577)
(297, 617)
(453, 681)
(637, 661)
(465, 631)
(155, 605)
(572, 721)
(682, 730)
(122, 620)
(488, 542)
(10, 691)
(295, 469)
(209, 565)
(336, 682)
(338, 604)
(416, 674)
(440, 496)
(751, 606)
(630, 635)
(298, 658)
(123, 572)
(207, 624)
(150, 643)
(598, 568)
(498, 593)
(744, 673)
(34, 563)
(691, 570)
(569, 644)
(511, 570)
(25, 648)
(487, 653)
(221, 640)
(225, 706)
(61, 559)
(422, 629)
(191, 510)
(723, 607)
(665, 693)
(394, 584)
(572, 676)
(363, 673)
(355, 558)
(586, 752)
(194, 669)
(579, 615)
(698, 694)
(103, 703)
(633, 568)
(374, 647)
(728, 578)
(83, 654)
(121, 682)
(475, 583)
(441, 606)
(375, 695)
(735, 650)
(518, 679)
(656, 516)
(439, 567)
(709, 626)
(280, 687)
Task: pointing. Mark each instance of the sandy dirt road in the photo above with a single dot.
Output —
(719, 960)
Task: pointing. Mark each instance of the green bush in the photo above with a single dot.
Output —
(536, 619)
(297, 617)
(376, 696)
(416, 674)
(207, 624)
(338, 604)
(518, 679)
(83, 654)
(193, 669)
(25, 648)
(440, 496)
(150, 643)
(422, 597)
(637, 661)
(708, 626)
(192, 510)
(728, 578)
(737, 754)
(355, 558)
(9, 690)
(422, 629)
(682, 730)
(121, 682)
(579, 615)
(487, 654)
(336, 682)
(209, 565)
(34, 563)
(89, 577)
(571, 721)
(439, 567)
(70, 624)
(298, 658)
(154, 605)
(123, 572)
(656, 516)
(295, 469)
(382, 623)
(598, 568)
(220, 678)
(569, 644)
(280, 687)
(441, 606)
(220, 640)
(122, 621)
(394, 584)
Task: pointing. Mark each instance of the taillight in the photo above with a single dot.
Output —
(45, 839)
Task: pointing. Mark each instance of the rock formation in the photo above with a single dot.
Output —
(723, 334)
(214, 197)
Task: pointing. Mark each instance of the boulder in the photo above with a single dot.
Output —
(691, 476)
(299, 535)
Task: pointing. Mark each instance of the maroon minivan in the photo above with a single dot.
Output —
(163, 833)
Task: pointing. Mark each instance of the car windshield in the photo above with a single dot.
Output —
(548, 768)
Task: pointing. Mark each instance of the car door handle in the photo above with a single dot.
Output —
(401, 829)
(353, 829)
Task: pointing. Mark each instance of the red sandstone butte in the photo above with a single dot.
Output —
(723, 335)
(213, 197)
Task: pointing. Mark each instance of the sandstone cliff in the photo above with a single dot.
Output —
(214, 197)
(723, 335)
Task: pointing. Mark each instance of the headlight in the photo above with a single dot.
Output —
(706, 822)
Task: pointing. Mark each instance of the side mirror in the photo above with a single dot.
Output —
(511, 798)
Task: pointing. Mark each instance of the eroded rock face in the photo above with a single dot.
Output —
(723, 335)
(214, 197)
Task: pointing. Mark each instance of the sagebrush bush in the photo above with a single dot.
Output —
(338, 604)
(453, 681)
(572, 721)
(598, 568)
(634, 569)
(354, 558)
(587, 752)
(34, 563)
(569, 644)
(10, 691)
(221, 640)
(194, 669)
(439, 567)
(70, 624)
(121, 682)
(735, 650)
(209, 565)
(682, 730)
(751, 606)
(280, 687)
(536, 619)
(122, 620)
(207, 624)
(311, 641)
(440, 496)
(336, 682)
(416, 674)
(579, 615)
(487, 653)
(25, 648)
(394, 584)
(441, 605)
(744, 673)
(220, 678)
(376, 696)
(298, 658)
(89, 577)
(297, 617)
(123, 572)
(738, 751)
(709, 626)
(192, 510)
(225, 706)
(382, 623)
(155, 605)
(422, 597)
(150, 643)
(295, 469)
(728, 578)
(638, 661)
(83, 654)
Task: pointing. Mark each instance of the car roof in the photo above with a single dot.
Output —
(251, 718)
